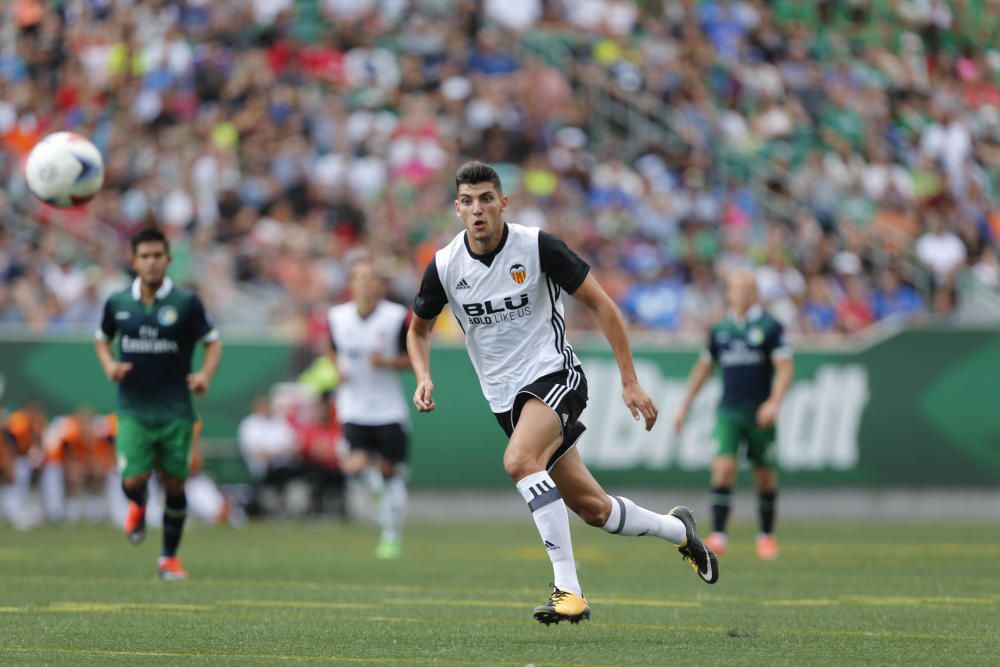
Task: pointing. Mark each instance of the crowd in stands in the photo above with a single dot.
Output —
(847, 151)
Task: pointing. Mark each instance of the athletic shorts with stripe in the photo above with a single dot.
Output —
(565, 393)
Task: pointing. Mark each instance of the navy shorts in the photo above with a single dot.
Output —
(388, 441)
(565, 393)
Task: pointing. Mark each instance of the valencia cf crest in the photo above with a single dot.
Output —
(518, 273)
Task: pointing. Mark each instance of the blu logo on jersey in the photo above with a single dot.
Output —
(492, 311)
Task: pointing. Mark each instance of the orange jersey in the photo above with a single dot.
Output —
(24, 429)
(69, 437)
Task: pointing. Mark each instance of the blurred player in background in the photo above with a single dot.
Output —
(504, 282)
(157, 326)
(757, 370)
(368, 348)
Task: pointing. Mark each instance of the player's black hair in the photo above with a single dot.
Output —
(474, 172)
(147, 235)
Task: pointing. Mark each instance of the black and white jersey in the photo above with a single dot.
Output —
(508, 304)
(367, 395)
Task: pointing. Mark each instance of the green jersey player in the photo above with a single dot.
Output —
(756, 366)
(157, 326)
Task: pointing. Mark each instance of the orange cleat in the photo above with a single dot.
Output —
(767, 547)
(717, 542)
(171, 569)
(135, 522)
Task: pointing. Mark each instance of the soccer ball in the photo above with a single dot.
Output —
(64, 170)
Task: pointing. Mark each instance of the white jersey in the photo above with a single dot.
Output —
(508, 304)
(369, 396)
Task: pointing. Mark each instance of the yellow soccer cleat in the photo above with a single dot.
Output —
(562, 606)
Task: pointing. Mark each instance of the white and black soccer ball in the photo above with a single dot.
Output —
(64, 170)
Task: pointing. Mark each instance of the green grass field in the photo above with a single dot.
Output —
(462, 595)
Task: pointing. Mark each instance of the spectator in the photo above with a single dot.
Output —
(269, 448)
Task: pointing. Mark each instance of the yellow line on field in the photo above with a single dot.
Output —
(800, 603)
(634, 602)
(11, 610)
(454, 603)
(114, 607)
(304, 604)
(261, 656)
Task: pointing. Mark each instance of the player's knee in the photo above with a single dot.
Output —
(173, 486)
(519, 466)
(594, 510)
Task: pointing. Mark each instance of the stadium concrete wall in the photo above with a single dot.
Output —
(921, 408)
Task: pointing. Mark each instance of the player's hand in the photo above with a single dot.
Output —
(639, 403)
(119, 370)
(379, 360)
(767, 413)
(680, 418)
(198, 383)
(423, 396)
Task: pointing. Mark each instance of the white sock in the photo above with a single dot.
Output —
(552, 520)
(392, 508)
(627, 518)
(373, 480)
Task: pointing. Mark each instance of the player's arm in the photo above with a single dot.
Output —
(418, 346)
(114, 370)
(784, 369)
(198, 381)
(592, 295)
(427, 305)
(209, 336)
(700, 372)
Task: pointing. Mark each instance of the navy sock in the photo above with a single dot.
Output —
(767, 506)
(173, 523)
(720, 507)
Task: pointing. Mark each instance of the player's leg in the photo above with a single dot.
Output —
(620, 516)
(392, 446)
(175, 456)
(134, 447)
(534, 440)
(761, 453)
(723, 477)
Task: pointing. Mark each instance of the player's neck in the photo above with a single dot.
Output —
(365, 309)
(487, 246)
(147, 291)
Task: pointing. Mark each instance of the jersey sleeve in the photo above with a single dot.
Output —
(108, 327)
(431, 298)
(777, 347)
(563, 265)
(201, 326)
(711, 351)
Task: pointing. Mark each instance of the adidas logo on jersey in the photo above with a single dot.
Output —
(549, 546)
(462, 284)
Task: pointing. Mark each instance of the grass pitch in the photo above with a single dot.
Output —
(463, 593)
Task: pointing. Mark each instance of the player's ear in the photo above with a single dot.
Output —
(503, 202)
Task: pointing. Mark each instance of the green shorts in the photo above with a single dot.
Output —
(141, 445)
(733, 430)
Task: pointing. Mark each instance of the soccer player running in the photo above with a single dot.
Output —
(157, 326)
(757, 370)
(504, 282)
(368, 348)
